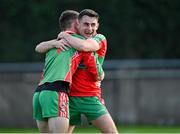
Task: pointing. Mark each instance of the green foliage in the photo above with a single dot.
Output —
(135, 29)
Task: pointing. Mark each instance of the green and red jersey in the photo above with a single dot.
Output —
(61, 65)
(58, 65)
(83, 84)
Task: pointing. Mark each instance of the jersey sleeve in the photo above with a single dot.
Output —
(93, 66)
(101, 39)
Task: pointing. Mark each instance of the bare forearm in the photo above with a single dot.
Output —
(82, 45)
(45, 46)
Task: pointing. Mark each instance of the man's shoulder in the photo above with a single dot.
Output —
(78, 36)
(101, 36)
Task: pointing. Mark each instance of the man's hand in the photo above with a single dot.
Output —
(100, 78)
(98, 83)
(62, 44)
(62, 35)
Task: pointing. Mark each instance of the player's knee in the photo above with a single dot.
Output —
(43, 127)
(111, 130)
(51, 129)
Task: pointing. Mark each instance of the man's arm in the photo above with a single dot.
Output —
(45, 46)
(80, 44)
(101, 73)
(93, 65)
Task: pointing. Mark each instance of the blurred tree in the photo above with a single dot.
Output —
(142, 29)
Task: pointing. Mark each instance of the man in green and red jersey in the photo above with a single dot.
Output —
(50, 100)
(85, 93)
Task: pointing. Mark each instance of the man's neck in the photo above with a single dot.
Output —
(70, 31)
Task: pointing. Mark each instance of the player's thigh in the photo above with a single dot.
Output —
(43, 126)
(54, 104)
(105, 124)
(58, 124)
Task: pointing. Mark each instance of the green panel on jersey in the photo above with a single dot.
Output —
(99, 37)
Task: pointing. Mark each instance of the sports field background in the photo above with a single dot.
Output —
(121, 129)
(142, 66)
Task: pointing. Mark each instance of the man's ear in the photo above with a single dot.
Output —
(97, 26)
(77, 27)
(78, 24)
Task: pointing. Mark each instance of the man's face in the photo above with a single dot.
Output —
(88, 26)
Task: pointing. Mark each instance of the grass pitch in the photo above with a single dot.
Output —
(121, 129)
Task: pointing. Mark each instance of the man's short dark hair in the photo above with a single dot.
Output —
(66, 19)
(88, 12)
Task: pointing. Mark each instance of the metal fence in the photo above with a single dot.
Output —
(135, 91)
